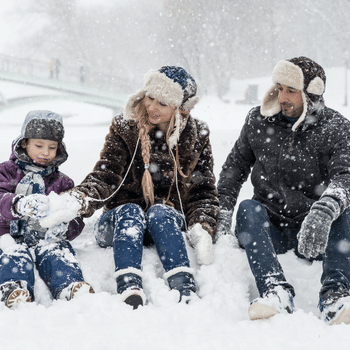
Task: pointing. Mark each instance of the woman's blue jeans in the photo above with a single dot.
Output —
(262, 242)
(124, 228)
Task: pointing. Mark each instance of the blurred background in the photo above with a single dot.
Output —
(111, 44)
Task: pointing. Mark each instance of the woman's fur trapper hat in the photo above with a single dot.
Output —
(302, 74)
(171, 85)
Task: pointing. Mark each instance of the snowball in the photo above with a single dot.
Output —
(63, 208)
(6, 241)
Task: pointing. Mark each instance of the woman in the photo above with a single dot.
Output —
(155, 179)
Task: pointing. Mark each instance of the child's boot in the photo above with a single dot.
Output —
(129, 286)
(13, 293)
(183, 281)
(75, 289)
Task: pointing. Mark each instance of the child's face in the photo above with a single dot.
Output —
(40, 151)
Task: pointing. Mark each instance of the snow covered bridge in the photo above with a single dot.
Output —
(60, 90)
(60, 83)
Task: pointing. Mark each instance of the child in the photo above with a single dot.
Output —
(25, 180)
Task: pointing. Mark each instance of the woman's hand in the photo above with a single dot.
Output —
(202, 243)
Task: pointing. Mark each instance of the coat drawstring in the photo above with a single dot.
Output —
(126, 174)
(176, 168)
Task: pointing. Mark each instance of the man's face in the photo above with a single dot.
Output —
(291, 101)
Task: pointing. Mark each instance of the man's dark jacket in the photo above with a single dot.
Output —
(290, 169)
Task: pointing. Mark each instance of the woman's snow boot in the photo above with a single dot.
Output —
(129, 286)
(182, 281)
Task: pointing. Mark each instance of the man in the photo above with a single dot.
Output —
(298, 152)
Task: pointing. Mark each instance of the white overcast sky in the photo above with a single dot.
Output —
(11, 27)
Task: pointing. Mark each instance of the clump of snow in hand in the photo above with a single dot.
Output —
(6, 241)
(63, 208)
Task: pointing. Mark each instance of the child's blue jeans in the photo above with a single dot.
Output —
(55, 262)
(262, 242)
(124, 228)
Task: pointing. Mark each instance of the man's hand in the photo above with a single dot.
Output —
(224, 223)
(314, 232)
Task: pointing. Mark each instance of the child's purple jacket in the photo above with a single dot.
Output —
(10, 176)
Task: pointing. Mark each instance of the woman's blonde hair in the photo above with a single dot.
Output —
(145, 127)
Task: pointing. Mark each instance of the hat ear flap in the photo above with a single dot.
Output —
(129, 110)
(190, 103)
(316, 86)
(174, 137)
(270, 105)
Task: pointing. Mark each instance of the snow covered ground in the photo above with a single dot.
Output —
(219, 319)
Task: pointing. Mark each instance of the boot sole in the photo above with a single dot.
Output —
(344, 317)
(16, 297)
(257, 311)
(134, 300)
(79, 285)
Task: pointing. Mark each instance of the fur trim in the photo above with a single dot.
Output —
(190, 103)
(133, 270)
(129, 292)
(164, 89)
(289, 74)
(316, 86)
(303, 115)
(174, 137)
(177, 270)
(270, 105)
(129, 110)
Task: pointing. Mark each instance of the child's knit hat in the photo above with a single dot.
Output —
(300, 73)
(171, 85)
(45, 125)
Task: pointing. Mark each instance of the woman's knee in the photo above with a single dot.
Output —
(159, 212)
(105, 227)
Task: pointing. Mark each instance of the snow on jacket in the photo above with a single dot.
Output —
(11, 175)
(198, 191)
(290, 170)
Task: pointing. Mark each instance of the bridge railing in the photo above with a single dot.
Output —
(54, 69)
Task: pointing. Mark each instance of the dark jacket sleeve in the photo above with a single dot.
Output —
(235, 170)
(76, 225)
(202, 202)
(108, 172)
(338, 165)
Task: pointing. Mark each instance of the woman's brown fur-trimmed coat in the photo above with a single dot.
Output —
(198, 191)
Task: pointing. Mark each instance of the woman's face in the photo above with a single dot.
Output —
(158, 113)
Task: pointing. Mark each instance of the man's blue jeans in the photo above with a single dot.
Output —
(124, 228)
(262, 242)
